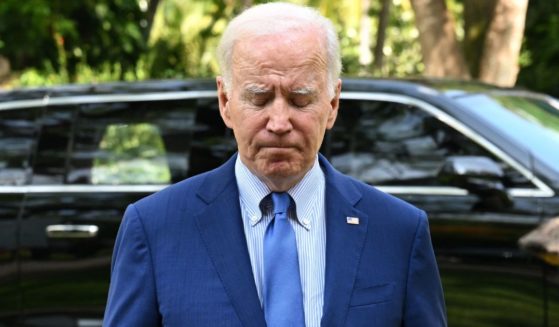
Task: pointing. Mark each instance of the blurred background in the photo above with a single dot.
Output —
(503, 42)
(69, 163)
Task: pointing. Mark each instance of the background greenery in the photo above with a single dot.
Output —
(59, 41)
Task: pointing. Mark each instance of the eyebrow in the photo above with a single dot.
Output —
(255, 89)
(303, 91)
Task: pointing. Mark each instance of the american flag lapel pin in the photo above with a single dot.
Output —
(352, 220)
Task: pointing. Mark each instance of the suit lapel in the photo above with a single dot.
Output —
(221, 228)
(344, 244)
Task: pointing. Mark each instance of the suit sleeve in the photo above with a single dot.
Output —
(132, 298)
(424, 295)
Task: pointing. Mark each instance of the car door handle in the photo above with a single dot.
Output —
(72, 231)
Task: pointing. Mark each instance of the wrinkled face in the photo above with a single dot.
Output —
(279, 105)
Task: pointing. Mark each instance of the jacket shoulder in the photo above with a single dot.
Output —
(387, 206)
(189, 195)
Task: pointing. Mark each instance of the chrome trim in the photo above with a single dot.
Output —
(82, 322)
(528, 193)
(436, 190)
(403, 189)
(22, 104)
(42, 189)
(553, 102)
(542, 188)
(72, 231)
(79, 99)
(494, 217)
(34, 189)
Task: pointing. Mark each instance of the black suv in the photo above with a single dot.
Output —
(482, 161)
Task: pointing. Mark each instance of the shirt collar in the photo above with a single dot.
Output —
(305, 193)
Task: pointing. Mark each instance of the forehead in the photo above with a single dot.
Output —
(290, 53)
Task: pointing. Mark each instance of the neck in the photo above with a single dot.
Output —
(281, 184)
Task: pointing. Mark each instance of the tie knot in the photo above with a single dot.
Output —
(281, 202)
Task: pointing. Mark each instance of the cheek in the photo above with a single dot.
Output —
(315, 127)
(246, 130)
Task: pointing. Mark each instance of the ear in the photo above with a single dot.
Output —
(334, 105)
(223, 99)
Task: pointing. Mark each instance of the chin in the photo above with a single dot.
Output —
(280, 164)
(281, 169)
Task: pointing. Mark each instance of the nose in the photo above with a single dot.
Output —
(279, 117)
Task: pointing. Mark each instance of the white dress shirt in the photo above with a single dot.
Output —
(309, 224)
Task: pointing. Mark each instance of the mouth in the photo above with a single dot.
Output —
(277, 152)
(277, 148)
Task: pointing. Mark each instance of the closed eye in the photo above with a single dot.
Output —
(259, 100)
(257, 97)
(301, 101)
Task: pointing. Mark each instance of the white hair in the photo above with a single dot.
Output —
(274, 18)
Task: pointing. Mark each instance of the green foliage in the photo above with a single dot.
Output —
(180, 34)
(19, 44)
(57, 39)
(401, 49)
(541, 48)
(100, 40)
(133, 154)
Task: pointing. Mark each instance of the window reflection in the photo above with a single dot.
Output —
(131, 154)
(387, 143)
(17, 141)
(125, 143)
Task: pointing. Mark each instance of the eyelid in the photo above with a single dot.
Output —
(301, 102)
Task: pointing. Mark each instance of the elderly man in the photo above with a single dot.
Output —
(275, 236)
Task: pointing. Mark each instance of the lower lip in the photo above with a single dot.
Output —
(279, 148)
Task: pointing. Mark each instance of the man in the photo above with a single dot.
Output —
(275, 236)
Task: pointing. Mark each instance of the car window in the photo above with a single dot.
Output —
(531, 122)
(18, 134)
(56, 128)
(131, 154)
(130, 143)
(388, 143)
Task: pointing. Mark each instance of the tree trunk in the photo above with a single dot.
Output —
(4, 68)
(499, 63)
(381, 35)
(247, 4)
(441, 51)
(477, 18)
(150, 15)
(365, 56)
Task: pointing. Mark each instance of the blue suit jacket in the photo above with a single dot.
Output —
(181, 259)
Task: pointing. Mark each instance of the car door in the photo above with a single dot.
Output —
(399, 144)
(96, 157)
(18, 136)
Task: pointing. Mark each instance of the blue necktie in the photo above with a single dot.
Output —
(283, 297)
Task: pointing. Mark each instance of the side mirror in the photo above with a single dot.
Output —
(480, 176)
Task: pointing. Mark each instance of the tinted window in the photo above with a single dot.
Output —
(18, 132)
(386, 143)
(532, 123)
(131, 143)
(131, 154)
(157, 142)
(54, 144)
